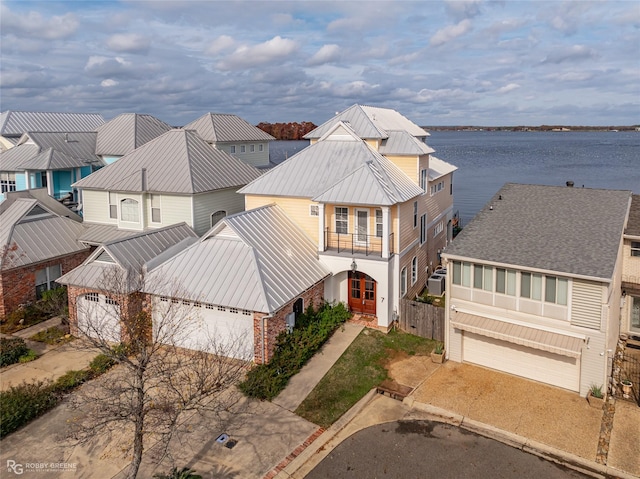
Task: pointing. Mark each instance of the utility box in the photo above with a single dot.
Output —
(436, 284)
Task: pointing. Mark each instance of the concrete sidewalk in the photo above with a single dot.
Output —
(303, 383)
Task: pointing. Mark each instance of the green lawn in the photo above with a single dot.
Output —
(359, 369)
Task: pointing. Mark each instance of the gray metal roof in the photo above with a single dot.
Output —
(342, 169)
(43, 198)
(439, 168)
(29, 238)
(13, 157)
(178, 161)
(633, 225)
(370, 122)
(129, 254)
(96, 234)
(573, 231)
(15, 123)
(257, 260)
(126, 132)
(403, 143)
(223, 127)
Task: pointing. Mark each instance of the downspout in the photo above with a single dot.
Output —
(262, 333)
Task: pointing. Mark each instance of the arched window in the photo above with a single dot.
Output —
(217, 216)
(129, 210)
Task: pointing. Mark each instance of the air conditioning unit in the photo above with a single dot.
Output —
(436, 284)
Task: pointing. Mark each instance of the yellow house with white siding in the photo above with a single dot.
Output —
(378, 205)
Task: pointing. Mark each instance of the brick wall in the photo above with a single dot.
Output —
(18, 285)
(275, 325)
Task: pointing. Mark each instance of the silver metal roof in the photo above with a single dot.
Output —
(341, 168)
(43, 198)
(129, 254)
(223, 127)
(13, 157)
(126, 132)
(370, 122)
(15, 123)
(36, 238)
(403, 143)
(96, 234)
(439, 168)
(179, 161)
(575, 231)
(256, 260)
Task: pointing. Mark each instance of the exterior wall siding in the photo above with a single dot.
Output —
(95, 207)
(206, 204)
(173, 209)
(586, 304)
(297, 209)
(255, 158)
(410, 165)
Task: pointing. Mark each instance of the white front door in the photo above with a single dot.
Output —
(362, 226)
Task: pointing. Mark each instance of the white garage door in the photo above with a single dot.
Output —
(98, 317)
(223, 331)
(523, 361)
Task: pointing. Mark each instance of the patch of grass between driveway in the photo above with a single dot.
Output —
(359, 369)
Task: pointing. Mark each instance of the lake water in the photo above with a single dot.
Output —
(488, 159)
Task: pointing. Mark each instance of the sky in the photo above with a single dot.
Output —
(465, 62)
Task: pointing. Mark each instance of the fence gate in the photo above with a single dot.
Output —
(422, 319)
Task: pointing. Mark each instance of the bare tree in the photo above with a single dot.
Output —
(169, 366)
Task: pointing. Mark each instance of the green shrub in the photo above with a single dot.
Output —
(70, 380)
(30, 356)
(52, 335)
(184, 473)
(11, 349)
(293, 350)
(54, 302)
(101, 364)
(20, 404)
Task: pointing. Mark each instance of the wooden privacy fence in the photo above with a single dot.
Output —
(422, 319)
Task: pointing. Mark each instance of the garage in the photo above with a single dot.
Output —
(544, 356)
(98, 317)
(205, 327)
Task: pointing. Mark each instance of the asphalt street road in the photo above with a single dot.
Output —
(426, 449)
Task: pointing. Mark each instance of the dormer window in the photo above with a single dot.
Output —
(129, 210)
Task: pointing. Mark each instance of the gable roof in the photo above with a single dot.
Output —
(11, 159)
(179, 162)
(339, 168)
(403, 143)
(439, 168)
(223, 127)
(573, 231)
(26, 237)
(256, 260)
(15, 123)
(43, 198)
(126, 132)
(128, 254)
(370, 123)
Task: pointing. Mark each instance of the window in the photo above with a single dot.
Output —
(7, 182)
(423, 179)
(94, 297)
(252, 148)
(221, 308)
(462, 273)
(438, 229)
(437, 187)
(155, 208)
(46, 279)
(113, 206)
(232, 149)
(379, 223)
(415, 214)
(505, 281)
(243, 149)
(109, 300)
(423, 229)
(164, 299)
(403, 282)
(260, 147)
(414, 270)
(314, 210)
(342, 220)
(217, 216)
(196, 304)
(635, 248)
(555, 290)
(246, 313)
(233, 310)
(209, 306)
(483, 277)
(531, 286)
(129, 210)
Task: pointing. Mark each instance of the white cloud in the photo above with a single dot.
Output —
(35, 25)
(326, 54)
(108, 83)
(129, 42)
(97, 60)
(220, 44)
(451, 32)
(275, 50)
(571, 54)
(508, 88)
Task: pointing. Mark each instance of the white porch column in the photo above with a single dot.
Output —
(321, 227)
(386, 231)
(27, 180)
(50, 182)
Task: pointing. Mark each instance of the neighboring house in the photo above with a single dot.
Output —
(37, 247)
(13, 124)
(363, 193)
(109, 280)
(233, 135)
(177, 177)
(534, 285)
(630, 323)
(49, 160)
(125, 133)
(40, 194)
(244, 281)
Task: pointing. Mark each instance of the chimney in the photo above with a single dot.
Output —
(144, 179)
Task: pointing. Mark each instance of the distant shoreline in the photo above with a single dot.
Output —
(555, 128)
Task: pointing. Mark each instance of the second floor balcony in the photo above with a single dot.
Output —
(356, 243)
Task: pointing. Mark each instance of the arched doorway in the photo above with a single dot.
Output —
(362, 293)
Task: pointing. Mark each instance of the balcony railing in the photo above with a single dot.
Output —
(351, 243)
